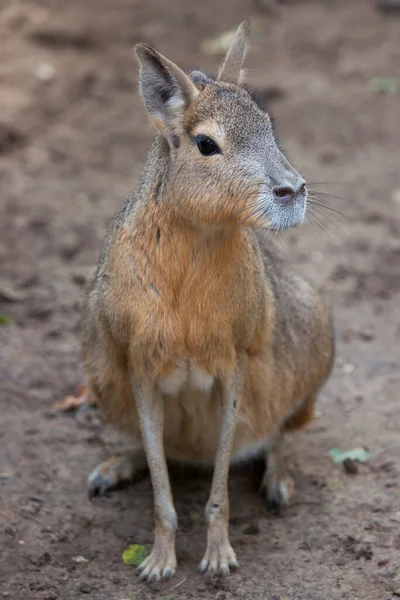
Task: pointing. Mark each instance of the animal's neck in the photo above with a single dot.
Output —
(155, 173)
(159, 207)
(175, 245)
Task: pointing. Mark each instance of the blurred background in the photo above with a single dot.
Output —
(73, 140)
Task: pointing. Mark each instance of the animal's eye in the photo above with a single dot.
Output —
(207, 146)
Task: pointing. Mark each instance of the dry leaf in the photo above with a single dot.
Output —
(221, 43)
(73, 402)
(80, 559)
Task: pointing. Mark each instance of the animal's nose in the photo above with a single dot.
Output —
(287, 193)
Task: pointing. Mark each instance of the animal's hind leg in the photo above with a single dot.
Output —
(116, 471)
(304, 415)
(276, 485)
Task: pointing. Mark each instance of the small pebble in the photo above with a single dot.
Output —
(40, 311)
(389, 5)
(47, 529)
(317, 257)
(253, 529)
(85, 588)
(350, 466)
(80, 275)
(366, 336)
(45, 71)
(69, 247)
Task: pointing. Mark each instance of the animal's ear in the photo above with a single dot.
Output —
(231, 68)
(166, 90)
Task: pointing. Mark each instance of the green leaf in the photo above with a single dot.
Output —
(358, 454)
(219, 44)
(383, 85)
(5, 320)
(134, 555)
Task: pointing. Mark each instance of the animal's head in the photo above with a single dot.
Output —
(225, 164)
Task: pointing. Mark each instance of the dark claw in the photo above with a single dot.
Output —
(275, 505)
(98, 487)
(276, 502)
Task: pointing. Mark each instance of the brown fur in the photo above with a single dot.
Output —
(188, 287)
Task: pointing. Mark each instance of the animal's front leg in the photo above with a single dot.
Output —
(220, 556)
(161, 563)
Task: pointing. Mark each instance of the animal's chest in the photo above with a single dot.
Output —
(201, 349)
(191, 335)
(213, 319)
(203, 341)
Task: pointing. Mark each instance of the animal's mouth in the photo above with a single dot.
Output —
(286, 215)
(277, 215)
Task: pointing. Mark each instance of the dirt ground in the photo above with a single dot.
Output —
(73, 138)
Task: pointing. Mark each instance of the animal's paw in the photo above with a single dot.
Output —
(161, 563)
(113, 472)
(277, 492)
(220, 557)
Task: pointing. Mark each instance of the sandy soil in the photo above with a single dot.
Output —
(73, 137)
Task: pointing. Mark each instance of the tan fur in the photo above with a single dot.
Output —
(196, 338)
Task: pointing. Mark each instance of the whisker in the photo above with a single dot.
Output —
(328, 212)
(323, 216)
(243, 221)
(271, 236)
(328, 195)
(318, 212)
(242, 210)
(321, 226)
(258, 220)
(279, 239)
(312, 183)
(303, 167)
(317, 201)
(320, 217)
(314, 223)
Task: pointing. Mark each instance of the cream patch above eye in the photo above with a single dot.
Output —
(210, 128)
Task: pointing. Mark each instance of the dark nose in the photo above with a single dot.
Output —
(287, 193)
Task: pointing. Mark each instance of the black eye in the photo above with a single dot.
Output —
(206, 145)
